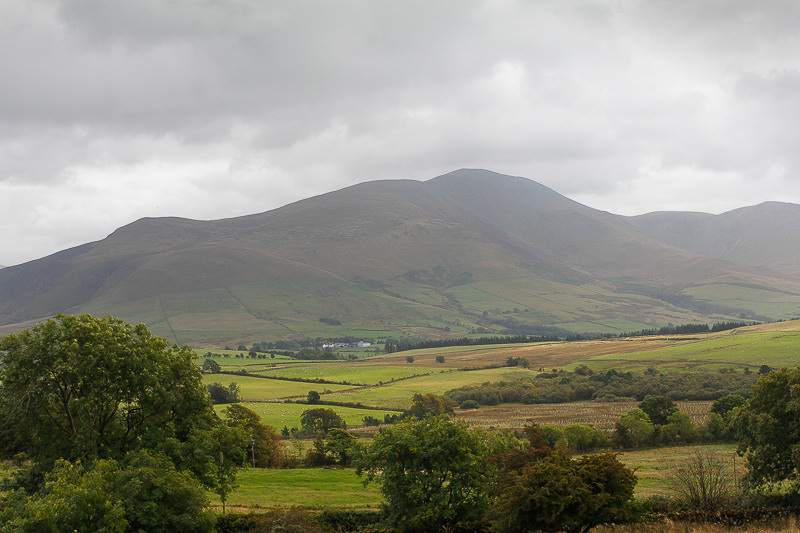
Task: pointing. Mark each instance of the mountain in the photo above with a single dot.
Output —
(469, 251)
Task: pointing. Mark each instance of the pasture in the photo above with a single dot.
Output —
(356, 373)
(279, 415)
(263, 389)
(304, 487)
(338, 487)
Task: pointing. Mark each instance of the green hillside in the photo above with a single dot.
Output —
(470, 252)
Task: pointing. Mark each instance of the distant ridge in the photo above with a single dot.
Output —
(471, 251)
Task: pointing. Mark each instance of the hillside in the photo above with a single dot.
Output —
(468, 251)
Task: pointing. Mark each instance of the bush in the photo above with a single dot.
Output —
(469, 404)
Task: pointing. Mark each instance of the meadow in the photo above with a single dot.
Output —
(341, 487)
(279, 415)
(388, 381)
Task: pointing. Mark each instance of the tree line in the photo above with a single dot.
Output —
(583, 384)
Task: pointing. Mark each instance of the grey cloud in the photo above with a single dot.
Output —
(244, 105)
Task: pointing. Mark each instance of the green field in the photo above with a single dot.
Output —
(743, 348)
(352, 373)
(261, 389)
(305, 487)
(655, 467)
(397, 395)
(343, 488)
(278, 415)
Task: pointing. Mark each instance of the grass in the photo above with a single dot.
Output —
(655, 467)
(740, 348)
(278, 415)
(397, 395)
(261, 389)
(367, 374)
(343, 488)
(301, 487)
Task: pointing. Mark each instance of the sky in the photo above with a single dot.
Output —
(208, 109)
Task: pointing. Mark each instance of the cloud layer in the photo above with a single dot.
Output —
(117, 110)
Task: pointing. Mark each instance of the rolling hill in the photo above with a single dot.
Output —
(470, 251)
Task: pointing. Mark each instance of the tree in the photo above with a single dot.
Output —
(211, 367)
(264, 446)
(551, 492)
(430, 404)
(723, 406)
(93, 388)
(339, 446)
(321, 420)
(222, 394)
(634, 429)
(440, 359)
(679, 428)
(432, 472)
(768, 428)
(658, 409)
(409, 359)
(143, 493)
(313, 397)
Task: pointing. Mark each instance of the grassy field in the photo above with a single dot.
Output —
(305, 487)
(343, 488)
(655, 467)
(278, 415)
(261, 389)
(740, 348)
(397, 395)
(360, 373)
(601, 415)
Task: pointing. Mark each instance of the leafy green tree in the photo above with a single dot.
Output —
(92, 388)
(143, 493)
(433, 472)
(312, 398)
(430, 404)
(584, 438)
(211, 367)
(725, 405)
(222, 394)
(409, 359)
(440, 359)
(321, 420)
(679, 428)
(634, 429)
(338, 447)
(553, 493)
(215, 457)
(768, 428)
(658, 409)
(264, 446)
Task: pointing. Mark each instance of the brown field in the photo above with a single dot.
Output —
(601, 415)
(546, 355)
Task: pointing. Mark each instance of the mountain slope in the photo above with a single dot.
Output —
(764, 235)
(468, 251)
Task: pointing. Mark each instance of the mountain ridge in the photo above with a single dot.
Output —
(471, 250)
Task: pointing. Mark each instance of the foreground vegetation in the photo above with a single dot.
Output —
(150, 437)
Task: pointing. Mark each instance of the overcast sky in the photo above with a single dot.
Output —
(115, 110)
